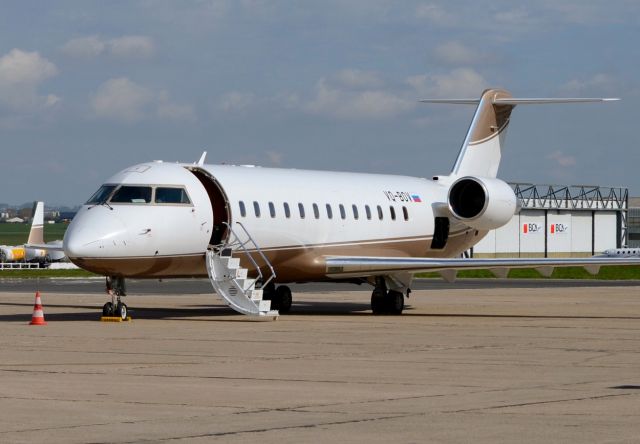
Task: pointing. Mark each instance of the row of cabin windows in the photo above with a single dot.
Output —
(328, 208)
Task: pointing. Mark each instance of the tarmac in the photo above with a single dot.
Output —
(481, 365)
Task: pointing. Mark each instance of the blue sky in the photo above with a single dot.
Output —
(88, 88)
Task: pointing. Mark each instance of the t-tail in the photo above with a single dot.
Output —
(481, 150)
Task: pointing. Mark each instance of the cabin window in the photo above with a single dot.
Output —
(301, 210)
(405, 213)
(316, 211)
(343, 213)
(166, 195)
(101, 195)
(287, 211)
(393, 213)
(368, 211)
(132, 194)
(243, 210)
(355, 211)
(256, 208)
(272, 210)
(380, 215)
(329, 212)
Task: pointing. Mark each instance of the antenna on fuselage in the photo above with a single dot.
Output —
(201, 161)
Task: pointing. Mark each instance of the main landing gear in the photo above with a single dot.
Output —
(385, 301)
(280, 297)
(116, 289)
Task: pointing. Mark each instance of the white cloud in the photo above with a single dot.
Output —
(131, 46)
(21, 73)
(434, 14)
(562, 159)
(513, 17)
(84, 47)
(455, 53)
(460, 83)
(598, 84)
(127, 46)
(123, 100)
(355, 78)
(237, 101)
(168, 110)
(346, 104)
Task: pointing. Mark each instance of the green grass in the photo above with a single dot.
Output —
(606, 273)
(43, 273)
(17, 234)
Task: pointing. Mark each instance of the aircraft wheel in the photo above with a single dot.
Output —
(378, 301)
(284, 298)
(121, 311)
(107, 309)
(395, 302)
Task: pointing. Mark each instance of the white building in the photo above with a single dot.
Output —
(560, 221)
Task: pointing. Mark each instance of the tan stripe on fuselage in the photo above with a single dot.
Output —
(292, 263)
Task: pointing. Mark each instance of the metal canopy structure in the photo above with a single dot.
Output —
(577, 198)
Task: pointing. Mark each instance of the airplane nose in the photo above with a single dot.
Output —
(87, 233)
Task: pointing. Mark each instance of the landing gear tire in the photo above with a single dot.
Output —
(283, 299)
(378, 302)
(121, 311)
(394, 302)
(107, 309)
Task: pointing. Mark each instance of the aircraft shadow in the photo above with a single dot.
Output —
(206, 312)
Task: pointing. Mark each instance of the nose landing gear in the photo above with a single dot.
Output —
(115, 288)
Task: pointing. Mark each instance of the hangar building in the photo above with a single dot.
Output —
(561, 221)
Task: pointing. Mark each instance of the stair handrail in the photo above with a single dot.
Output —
(242, 246)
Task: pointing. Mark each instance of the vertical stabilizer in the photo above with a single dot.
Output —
(481, 150)
(36, 235)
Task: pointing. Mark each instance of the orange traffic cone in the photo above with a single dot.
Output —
(38, 315)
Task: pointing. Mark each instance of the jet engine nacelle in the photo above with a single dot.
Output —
(11, 254)
(482, 203)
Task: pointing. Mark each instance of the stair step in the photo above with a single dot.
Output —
(264, 305)
(232, 284)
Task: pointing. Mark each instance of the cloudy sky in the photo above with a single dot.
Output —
(88, 88)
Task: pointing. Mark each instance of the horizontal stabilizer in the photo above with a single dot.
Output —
(524, 101)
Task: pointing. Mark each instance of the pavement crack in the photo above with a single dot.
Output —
(524, 404)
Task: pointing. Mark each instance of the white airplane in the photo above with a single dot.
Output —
(248, 228)
(622, 252)
(35, 250)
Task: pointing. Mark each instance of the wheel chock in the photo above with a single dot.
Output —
(114, 319)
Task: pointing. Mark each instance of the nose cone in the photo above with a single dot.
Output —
(88, 232)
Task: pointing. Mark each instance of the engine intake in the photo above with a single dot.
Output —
(482, 203)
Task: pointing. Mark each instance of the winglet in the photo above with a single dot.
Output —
(201, 161)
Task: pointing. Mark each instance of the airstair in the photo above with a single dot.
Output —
(230, 280)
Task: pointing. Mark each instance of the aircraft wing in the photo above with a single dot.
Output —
(48, 247)
(361, 266)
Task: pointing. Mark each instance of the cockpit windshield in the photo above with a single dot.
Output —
(101, 195)
(132, 194)
(167, 195)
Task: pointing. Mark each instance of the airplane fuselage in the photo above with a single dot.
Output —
(296, 217)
